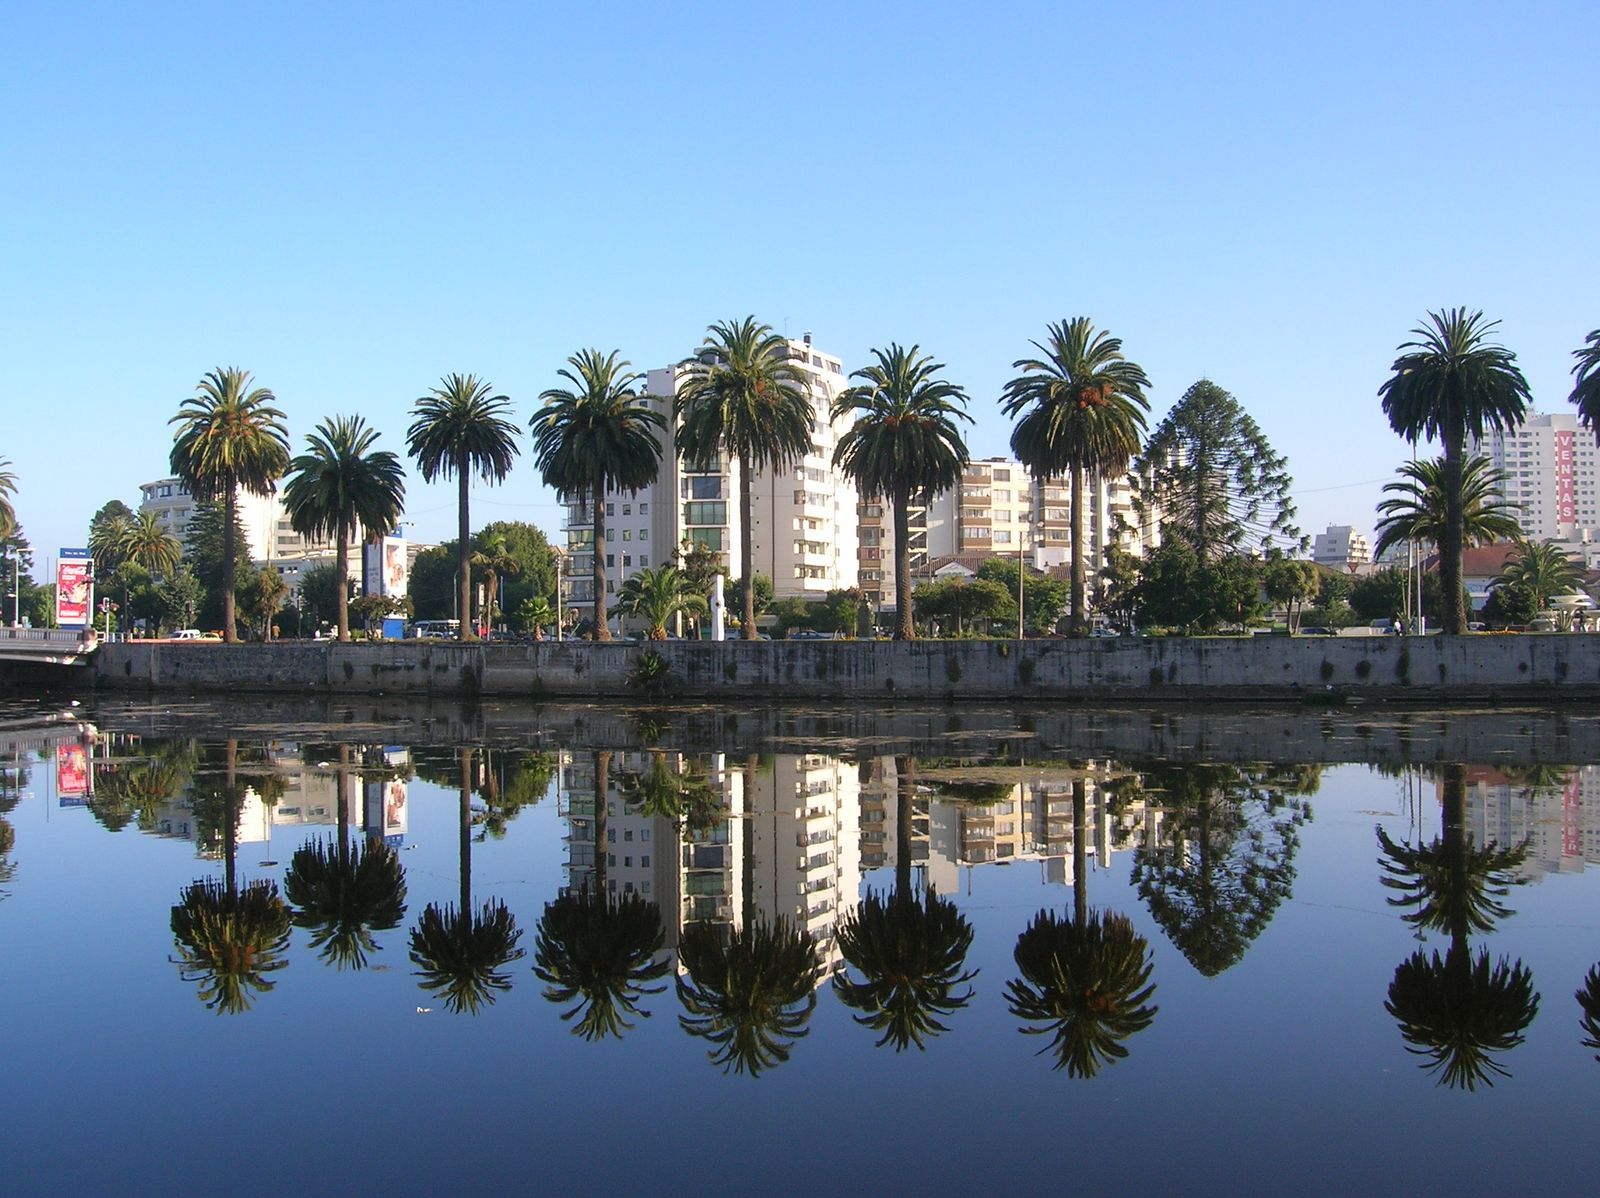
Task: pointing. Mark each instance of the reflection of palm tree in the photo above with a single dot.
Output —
(1589, 999)
(602, 952)
(344, 894)
(663, 792)
(228, 940)
(133, 790)
(461, 953)
(1457, 1010)
(1086, 979)
(909, 951)
(751, 995)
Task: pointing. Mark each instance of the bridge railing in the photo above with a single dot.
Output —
(48, 636)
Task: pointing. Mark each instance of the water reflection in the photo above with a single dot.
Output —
(344, 893)
(461, 952)
(1588, 997)
(749, 991)
(1457, 1011)
(1224, 856)
(910, 949)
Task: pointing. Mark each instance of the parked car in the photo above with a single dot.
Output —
(190, 634)
(1317, 630)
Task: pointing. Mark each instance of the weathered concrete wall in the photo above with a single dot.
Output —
(1527, 667)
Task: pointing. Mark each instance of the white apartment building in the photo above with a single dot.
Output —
(266, 524)
(1340, 546)
(1552, 469)
(805, 520)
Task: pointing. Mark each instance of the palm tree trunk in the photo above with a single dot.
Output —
(747, 887)
(602, 784)
(1455, 616)
(342, 802)
(907, 630)
(1080, 851)
(230, 633)
(491, 588)
(341, 575)
(464, 550)
(602, 629)
(1079, 564)
(466, 831)
(905, 796)
(747, 553)
(230, 821)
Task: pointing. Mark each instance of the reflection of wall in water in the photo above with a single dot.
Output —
(1560, 823)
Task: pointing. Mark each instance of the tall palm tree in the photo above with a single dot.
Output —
(8, 488)
(904, 442)
(230, 438)
(1543, 569)
(1415, 510)
(655, 595)
(461, 952)
(1081, 409)
(1457, 1010)
(342, 487)
(494, 558)
(748, 991)
(344, 893)
(147, 542)
(1452, 382)
(459, 427)
(597, 434)
(909, 948)
(1586, 391)
(106, 537)
(744, 396)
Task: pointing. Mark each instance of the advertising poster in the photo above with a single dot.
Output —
(385, 566)
(72, 775)
(74, 589)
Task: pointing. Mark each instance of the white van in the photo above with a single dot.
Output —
(187, 634)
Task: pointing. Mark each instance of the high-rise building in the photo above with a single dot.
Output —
(1552, 469)
(266, 524)
(1340, 546)
(804, 520)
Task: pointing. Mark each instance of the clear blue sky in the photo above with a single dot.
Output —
(351, 200)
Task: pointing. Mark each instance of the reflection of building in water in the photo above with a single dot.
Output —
(1557, 813)
(787, 844)
(1032, 822)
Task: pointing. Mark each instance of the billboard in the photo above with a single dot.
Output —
(385, 567)
(72, 775)
(74, 589)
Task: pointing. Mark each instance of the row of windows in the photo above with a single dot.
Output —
(611, 535)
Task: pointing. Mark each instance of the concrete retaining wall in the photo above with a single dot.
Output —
(1527, 667)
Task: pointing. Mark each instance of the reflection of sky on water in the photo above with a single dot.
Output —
(1281, 1068)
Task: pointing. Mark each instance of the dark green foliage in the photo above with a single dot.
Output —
(599, 953)
(1179, 588)
(1044, 599)
(1586, 390)
(1459, 1010)
(432, 583)
(319, 595)
(206, 540)
(960, 604)
(748, 991)
(1588, 997)
(911, 958)
(343, 895)
(1511, 605)
(1210, 477)
(229, 942)
(1086, 985)
(1417, 506)
(461, 957)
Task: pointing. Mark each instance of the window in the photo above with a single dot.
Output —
(628, 835)
(611, 561)
(611, 509)
(627, 534)
(706, 538)
(704, 488)
(627, 862)
(627, 509)
(627, 560)
(644, 534)
(644, 509)
(611, 837)
(611, 587)
(705, 513)
(644, 834)
(611, 535)
(644, 560)
(644, 861)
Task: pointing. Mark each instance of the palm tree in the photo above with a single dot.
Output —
(602, 952)
(910, 949)
(596, 435)
(744, 396)
(1450, 383)
(342, 893)
(535, 613)
(458, 428)
(1082, 409)
(343, 488)
(494, 558)
(1586, 391)
(230, 940)
(8, 488)
(655, 595)
(1416, 509)
(146, 542)
(106, 537)
(905, 442)
(1456, 1010)
(229, 439)
(1589, 1001)
(750, 995)
(1543, 569)
(461, 952)
(263, 599)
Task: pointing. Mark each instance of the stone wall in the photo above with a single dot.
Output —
(1528, 667)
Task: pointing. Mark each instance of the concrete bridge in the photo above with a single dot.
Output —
(47, 646)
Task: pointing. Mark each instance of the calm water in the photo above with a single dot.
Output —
(1240, 976)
